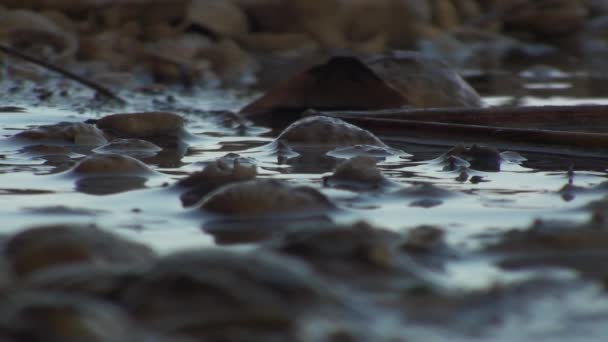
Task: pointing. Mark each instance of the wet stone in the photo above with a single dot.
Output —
(45, 150)
(133, 147)
(424, 191)
(580, 247)
(328, 132)
(356, 245)
(43, 316)
(142, 125)
(343, 83)
(480, 158)
(423, 81)
(46, 247)
(265, 197)
(80, 134)
(214, 294)
(358, 173)
(228, 169)
(108, 164)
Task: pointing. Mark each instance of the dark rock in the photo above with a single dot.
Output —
(45, 247)
(343, 83)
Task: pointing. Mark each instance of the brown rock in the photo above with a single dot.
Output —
(445, 15)
(225, 170)
(284, 43)
(142, 125)
(44, 247)
(31, 31)
(264, 197)
(341, 83)
(357, 173)
(549, 17)
(223, 18)
(99, 164)
(77, 133)
(327, 132)
(424, 81)
(39, 316)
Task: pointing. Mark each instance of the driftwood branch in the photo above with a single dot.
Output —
(581, 116)
(489, 125)
(93, 85)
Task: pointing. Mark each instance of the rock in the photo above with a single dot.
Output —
(110, 164)
(327, 132)
(264, 197)
(479, 157)
(547, 18)
(423, 81)
(118, 49)
(289, 43)
(445, 15)
(79, 134)
(38, 316)
(86, 279)
(359, 245)
(142, 125)
(341, 83)
(31, 31)
(104, 174)
(424, 239)
(424, 191)
(132, 147)
(228, 169)
(222, 18)
(217, 294)
(357, 173)
(549, 243)
(232, 64)
(45, 247)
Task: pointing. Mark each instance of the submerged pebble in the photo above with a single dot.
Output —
(327, 131)
(228, 169)
(110, 164)
(80, 134)
(43, 316)
(341, 83)
(217, 294)
(142, 125)
(480, 158)
(424, 82)
(323, 245)
(45, 247)
(134, 147)
(263, 197)
(357, 173)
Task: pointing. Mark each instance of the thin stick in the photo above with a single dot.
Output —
(95, 86)
(585, 115)
(408, 129)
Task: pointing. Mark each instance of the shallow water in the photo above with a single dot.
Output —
(36, 189)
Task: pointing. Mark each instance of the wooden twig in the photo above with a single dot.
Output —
(95, 86)
(421, 130)
(522, 117)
